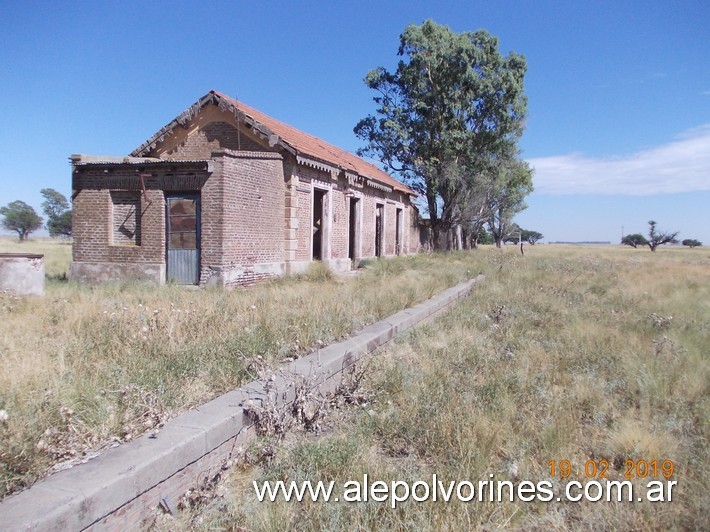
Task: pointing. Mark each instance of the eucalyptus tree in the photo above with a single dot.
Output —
(453, 102)
(59, 215)
(511, 184)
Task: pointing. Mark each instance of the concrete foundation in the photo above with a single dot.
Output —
(101, 272)
(339, 265)
(22, 273)
(335, 265)
(231, 276)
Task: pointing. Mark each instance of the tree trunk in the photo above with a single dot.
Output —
(449, 239)
(435, 236)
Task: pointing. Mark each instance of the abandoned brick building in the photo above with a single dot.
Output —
(225, 195)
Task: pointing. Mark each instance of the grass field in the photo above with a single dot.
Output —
(86, 367)
(56, 251)
(592, 355)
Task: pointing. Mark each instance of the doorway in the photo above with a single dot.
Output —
(182, 238)
(319, 210)
(379, 226)
(354, 229)
(398, 233)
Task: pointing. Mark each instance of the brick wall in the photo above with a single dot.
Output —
(104, 195)
(290, 213)
(391, 201)
(254, 208)
(125, 219)
(340, 215)
(308, 180)
(91, 211)
(390, 217)
(211, 129)
(340, 221)
(368, 224)
(93, 230)
(305, 224)
(211, 223)
(243, 216)
(200, 143)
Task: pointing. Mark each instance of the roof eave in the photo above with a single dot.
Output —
(99, 161)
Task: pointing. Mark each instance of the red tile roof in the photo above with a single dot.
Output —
(302, 143)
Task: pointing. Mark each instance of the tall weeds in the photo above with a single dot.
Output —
(86, 367)
(565, 354)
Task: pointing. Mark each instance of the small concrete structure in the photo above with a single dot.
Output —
(22, 273)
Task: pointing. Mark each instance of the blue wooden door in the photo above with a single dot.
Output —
(183, 239)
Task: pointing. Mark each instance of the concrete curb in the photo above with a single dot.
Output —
(124, 486)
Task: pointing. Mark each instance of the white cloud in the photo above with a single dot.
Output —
(679, 166)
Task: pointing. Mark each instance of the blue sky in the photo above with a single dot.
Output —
(618, 127)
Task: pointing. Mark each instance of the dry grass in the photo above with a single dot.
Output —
(56, 251)
(88, 367)
(569, 353)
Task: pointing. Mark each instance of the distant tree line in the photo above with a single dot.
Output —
(657, 238)
(20, 217)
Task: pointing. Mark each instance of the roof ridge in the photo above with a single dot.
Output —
(301, 141)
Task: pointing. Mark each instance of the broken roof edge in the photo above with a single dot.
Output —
(223, 102)
(227, 103)
(80, 158)
(99, 161)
